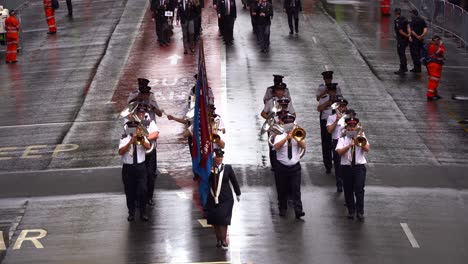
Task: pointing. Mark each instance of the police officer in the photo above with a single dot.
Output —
(288, 168)
(264, 13)
(269, 93)
(418, 30)
(353, 168)
(134, 176)
(335, 126)
(144, 96)
(326, 94)
(292, 8)
(403, 36)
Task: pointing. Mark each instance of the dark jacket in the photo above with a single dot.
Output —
(268, 10)
(189, 13)
(287, 4)
(221, 8)
(226, 194)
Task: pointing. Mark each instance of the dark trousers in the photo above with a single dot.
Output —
(288, 185)
(263, 35)
(354, 179)
(228, 28)
(416, 47)
(401, 49)
(70, 7)
(326, 144)
(151, 169)
(134, 180)
(221, 25)
(293, 12)
(197, 27)
(336, 164)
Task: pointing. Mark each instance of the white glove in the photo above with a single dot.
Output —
(238, 198)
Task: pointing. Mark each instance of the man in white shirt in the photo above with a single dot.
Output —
(269, 93)
(288, 168)
(132, 149)
(353, 168)
(335, 127)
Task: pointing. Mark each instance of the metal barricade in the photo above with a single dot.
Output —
(444, 15)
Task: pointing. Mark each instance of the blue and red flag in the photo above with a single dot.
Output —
(202, 152)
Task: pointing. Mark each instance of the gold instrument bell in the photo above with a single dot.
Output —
(298, 133)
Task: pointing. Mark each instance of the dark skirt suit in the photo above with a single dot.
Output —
(220, 214)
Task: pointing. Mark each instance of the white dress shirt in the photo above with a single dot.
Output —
(282, 153)
(346, 158)
(127, 157)
(336, 134)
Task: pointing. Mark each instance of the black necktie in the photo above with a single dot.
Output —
(289, 149)
(353, 160)
(135, 157)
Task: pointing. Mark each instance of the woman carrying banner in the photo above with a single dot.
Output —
(220, 201)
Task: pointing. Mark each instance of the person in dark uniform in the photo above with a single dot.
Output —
(403, 36)
(269, 93)
(292, 8)
(226, 10)
(353, 168)
(335, 126)
(144, 96)
(254, 16)
(326, 94)
(264, 13)
(418, 29)
(159, 8)
(132, 148)
(288, 168)
(221, 201)
(186, 13)
(199, 5)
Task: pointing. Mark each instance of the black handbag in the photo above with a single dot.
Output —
(55, 4)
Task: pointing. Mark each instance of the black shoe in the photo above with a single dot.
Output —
(192, 50)
(328, 171)
(433, 98)
(360, 217)
(339, 189)
(185, 52)
(131, 218)
(297, 31)
(290, 32)
(224, 245)
(150, 202)
(401, 71)
(262, 51)
(218, 244)
(350, 216)
(70, 14)
(282, 212)
(51, 33)
(299, 215)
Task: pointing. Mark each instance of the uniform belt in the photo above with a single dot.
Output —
(138, 164)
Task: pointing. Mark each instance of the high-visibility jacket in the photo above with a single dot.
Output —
(12, 27)
(436, 53)
(47, 3)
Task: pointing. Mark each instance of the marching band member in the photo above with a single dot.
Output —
(151, 157)
(132, 148)
(269, 93)
(326, 99)
(288, 168)
(221, 201)
(144, 95)
(353, 168)
(335, 128)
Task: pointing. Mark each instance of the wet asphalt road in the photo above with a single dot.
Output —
(59, 131)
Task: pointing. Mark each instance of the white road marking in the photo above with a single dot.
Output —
(58, 124)
(410, 236)
(326, 67)
(182, 195)
(314, 39)
(161, 170)
(204, 223)
(235, 256)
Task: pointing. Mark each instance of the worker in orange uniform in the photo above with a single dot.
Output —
(435, 52)
(50, 16)
(12, 29)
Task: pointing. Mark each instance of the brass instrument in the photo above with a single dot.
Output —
(360, 140)
(270, 120)
(299, 134)
(142, 132)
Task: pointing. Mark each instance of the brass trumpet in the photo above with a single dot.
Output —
(360, 140)
(298, 133)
